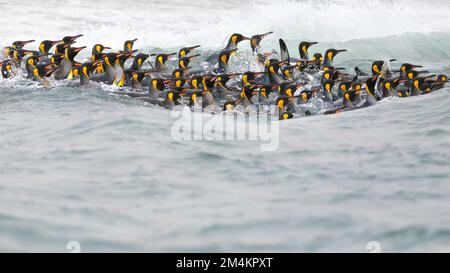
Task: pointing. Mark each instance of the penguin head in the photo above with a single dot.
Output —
(71, 52)
(33, 60)
(128, 45)
(138, 76)
(256, 39)
(162, 58)
(20, 44)
(305, 96)
(282, 101)
(71, 39)
(186, 50)
(98, 49)
(376, 67)
(139, 60)
(411, 74)
(303, 48)
(56, 59)
(173, 97)
(330, 54)
(345, 86)
(179, 73)
(328, 85)
(248, 77)
(266, 90)
(6, 65)
(236, 38)
(183, 62)
(442, 78)
(247, 92)
(286, 116)
(407, 66)
(158, 84)
(318, 59)
(195, 82)
(46, 45)
(229, 105)
(61, 48)
(224, 56)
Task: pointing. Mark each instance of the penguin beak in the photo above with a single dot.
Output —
(78, 49)
(341, 50)
(73, 38)
(194, 47)
(106, 47)
(56, 42)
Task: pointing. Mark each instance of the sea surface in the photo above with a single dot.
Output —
(79, 164)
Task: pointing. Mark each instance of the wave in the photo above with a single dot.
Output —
(178, 23)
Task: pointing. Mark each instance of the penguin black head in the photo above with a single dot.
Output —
(138, 76)
(98, 49)
(183, 62)
(72, 52)
(61, 48)
(229, 105)
(303, 49)
(179, 73)
(21, 44)
(318, 59)
(328, 85)
(186, 50)
(256, 39)
(162, 58)
(266, 90)
(407, 66)
(282, 101)
(46, 45)
(224, 56)
(128, 45)
(248, 92)
(442, 78)
(235, 39)
(71, 39)
(173, 97)
(44, 70)
(33, 60)
(286, 116)
(377, 66)
(330, 54)
(249, 77)
(158, 84)
(370, 85)
(139, 60)
(223, 79)
(195, 81)
(56, 59)
(411, 74)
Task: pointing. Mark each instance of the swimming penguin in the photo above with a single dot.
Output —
(330, 54)
(137, 77)
(42, 71)
(224, 58)
(417, 87)
(30, 65)
(286, 104)
(171, 99)
(64, 71)
(327, 94)
(6, 68)
(256, 39)
(128, 45)
(86, 71)
(109, 62)
(186, 50)
(272, 69)
(156, 86)
(160, 62)
(303, 48)
(220, 83)
(46, 45)
(370, 91)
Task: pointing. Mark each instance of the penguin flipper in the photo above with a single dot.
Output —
(284, 52)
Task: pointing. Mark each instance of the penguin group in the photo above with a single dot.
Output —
(296, 86)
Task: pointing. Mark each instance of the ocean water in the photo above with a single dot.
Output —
(78, 164)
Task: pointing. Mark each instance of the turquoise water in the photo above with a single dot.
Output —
(83, 165)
